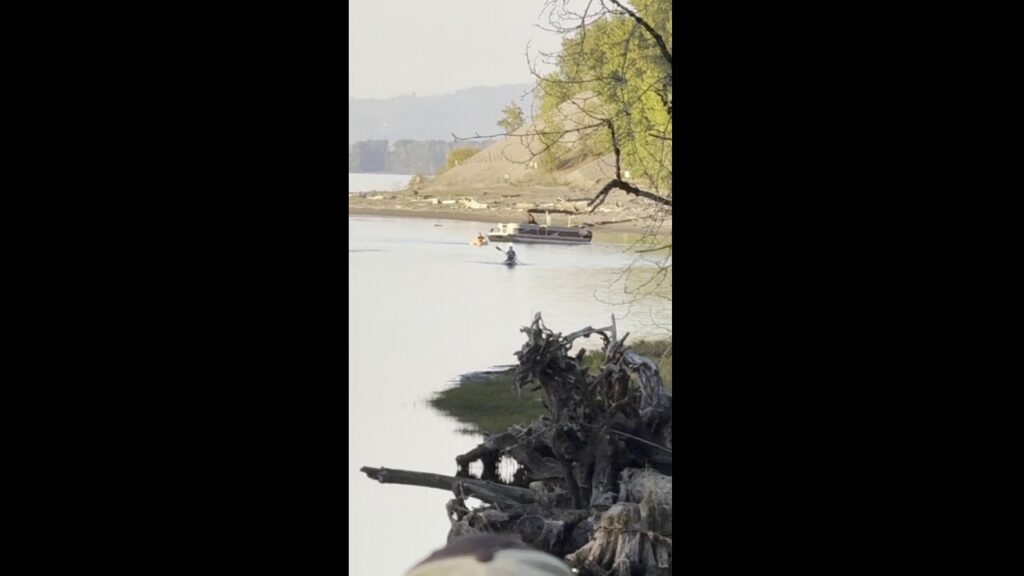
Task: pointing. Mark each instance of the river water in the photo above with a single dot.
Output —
(425, 307)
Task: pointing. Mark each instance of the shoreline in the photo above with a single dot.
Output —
(600, 230)
(619, 216)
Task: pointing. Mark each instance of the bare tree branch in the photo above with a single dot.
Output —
(628, 188)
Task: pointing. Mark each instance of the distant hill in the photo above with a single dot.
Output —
(466, 112)
(513, 160)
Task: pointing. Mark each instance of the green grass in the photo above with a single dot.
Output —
(487, 403)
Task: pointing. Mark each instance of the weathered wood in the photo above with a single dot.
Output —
(619, 547)
(410, 478)
(551, 494)
(538, 467)
(603, 447)
(615, 548)
(540, 532)
(494, 492)
(518, 445)
(557, 531)
(634, 536)
(492, 443)
(653, 491)
(604, 451)
(653, 395)
(600, 426)
(481, 489)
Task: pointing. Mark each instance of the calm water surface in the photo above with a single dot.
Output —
(424, 308)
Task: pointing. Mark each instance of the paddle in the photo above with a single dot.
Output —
(516, 259)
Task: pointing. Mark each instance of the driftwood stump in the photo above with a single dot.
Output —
(598, 465)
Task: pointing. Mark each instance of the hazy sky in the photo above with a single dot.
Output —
(439, 46)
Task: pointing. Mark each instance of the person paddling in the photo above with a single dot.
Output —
(510, 256)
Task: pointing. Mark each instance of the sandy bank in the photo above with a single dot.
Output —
(621, 215)
(617, 233)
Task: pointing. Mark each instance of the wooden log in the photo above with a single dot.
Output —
(481, 489)
(424, 479)
(494, 493)
(539, 467)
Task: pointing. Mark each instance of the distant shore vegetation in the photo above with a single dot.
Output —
(405, 156)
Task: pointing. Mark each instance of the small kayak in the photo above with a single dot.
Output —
(510, 263)
(479, 242)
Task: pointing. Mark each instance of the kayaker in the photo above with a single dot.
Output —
(510, 256)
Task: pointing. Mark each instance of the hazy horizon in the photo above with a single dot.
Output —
(446, 92)
(404, 47)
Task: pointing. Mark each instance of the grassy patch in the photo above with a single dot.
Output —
(487, 403)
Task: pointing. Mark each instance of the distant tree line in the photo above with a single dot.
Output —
(403, 156)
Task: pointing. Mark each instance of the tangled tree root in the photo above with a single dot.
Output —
(598, 465)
